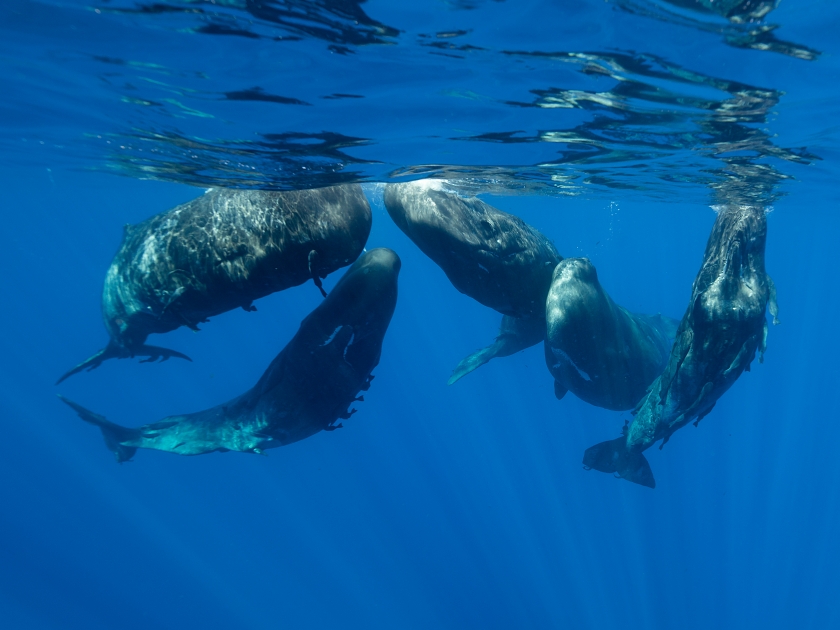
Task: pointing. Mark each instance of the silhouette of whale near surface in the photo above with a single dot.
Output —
(492, 256)
(717, 339)
(219, 252)
(598, 350)
(307, 387)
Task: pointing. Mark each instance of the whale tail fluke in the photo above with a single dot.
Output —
(114, 434)
(472, 362)
(113, 351)
(612, 456)
(515, 334)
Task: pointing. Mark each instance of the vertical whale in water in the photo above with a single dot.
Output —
(598, 350)
(717, 339)
(492, 256)
(219, 252)
(307, 387)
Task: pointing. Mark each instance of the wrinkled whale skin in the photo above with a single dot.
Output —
(492, 256)
(598, 350)
(307, 387)
(718, 337)
(222, 251)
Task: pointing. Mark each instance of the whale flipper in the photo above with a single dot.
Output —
(114, 434)
(313, 262)
(112, 351)
(612, 457)
(773, 305)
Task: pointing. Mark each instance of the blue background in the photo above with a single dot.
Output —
(434, 506)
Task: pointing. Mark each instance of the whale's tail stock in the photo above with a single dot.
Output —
(612, 456)
(114, 434)
(114, 351)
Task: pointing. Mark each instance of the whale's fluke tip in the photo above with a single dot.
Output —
(114, 434)
(612, 457)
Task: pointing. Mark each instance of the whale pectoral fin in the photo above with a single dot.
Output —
(612, 457)
(772, 303)
(704, 414)
(313, 271)
(762, 346)
(114, 434)
(320, 285)
(559, 391)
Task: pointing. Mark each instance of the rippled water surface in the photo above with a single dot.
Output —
(611, 126)
(665, 98)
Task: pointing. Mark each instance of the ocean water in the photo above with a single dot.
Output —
(611, 126)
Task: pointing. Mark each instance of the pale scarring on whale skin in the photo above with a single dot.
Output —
(222, 251)
(307, 387)
(722, 330)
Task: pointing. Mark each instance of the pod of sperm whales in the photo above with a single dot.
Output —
(306, 389)
(718, 337)
(492, 256)
(219, 252)
(601, 352)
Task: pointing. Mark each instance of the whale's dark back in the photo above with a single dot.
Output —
(330, 358)
(492, 256)
(225, 249)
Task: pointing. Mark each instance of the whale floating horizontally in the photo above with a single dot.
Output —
(306, 389)
(598, 350)
(219, 252)
(722, 329)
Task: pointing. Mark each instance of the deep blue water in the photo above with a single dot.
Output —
(612, 127)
